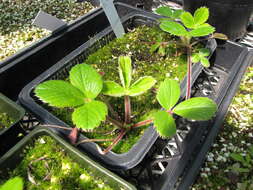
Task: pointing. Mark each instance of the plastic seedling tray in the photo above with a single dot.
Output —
(60, 71)
(14, 156)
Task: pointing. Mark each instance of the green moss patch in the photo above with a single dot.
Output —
(5, 120)
(62, 171)
(137, 44)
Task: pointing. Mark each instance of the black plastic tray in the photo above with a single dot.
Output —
(14, 156)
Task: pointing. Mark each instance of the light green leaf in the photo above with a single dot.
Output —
(168, 93)
(164, 11)
(164, 124)
(141, 85)
(204, 52)
(199, 108)
(154, 47)
(205, 62)
(173, 28)
(15, 183)
(195, 58)
(125, 71)
(237, 157)
(111, 88)
(90, 115)
(177, 13)
(86, 78)
(59, 93)
(201, 15)
(187, 19)
(202, 31)
(161, 51)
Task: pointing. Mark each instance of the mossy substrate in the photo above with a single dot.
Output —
(5, 120)
(137, 44)
(63, 172)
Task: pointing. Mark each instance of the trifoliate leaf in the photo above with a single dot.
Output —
(164, 11)
(86, 78)
(205, 62)
(202, 31)
(201, 15)
(204, 52)
(125, 70)
(164, 124)
(15, 183)
(173, 28)
(111, 88)
(195, 58)
(168, 93)
(187, 19)
(141, 85)
(199, 108)
(89, 115)
(220, 36)
(59, 93)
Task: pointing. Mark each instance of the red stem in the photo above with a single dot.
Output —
(93, 140)
(189, 72)
(127, 110)
(115, 142)
(73, 135)
(115, 122)
(142, 123)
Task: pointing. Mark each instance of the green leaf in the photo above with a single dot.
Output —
(141, 85)
(15, 183)
(195, 58)
(201, 15)
(125, 71)
(202, 31)
(204, 52)
(220, 36)
(168, 93)
(164, 124)
(59, 93)
(205, 62)
(111, 88)
(177, 13)
(199, 108)
(161, 51)
(237, 157)
(154, 47)
(90, 115)
(187, 19)
(164, 11)
(86, 78)
(173, 28)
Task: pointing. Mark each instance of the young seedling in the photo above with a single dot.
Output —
(15, 183)
(85, 85)
(168, 94)
(189, 27)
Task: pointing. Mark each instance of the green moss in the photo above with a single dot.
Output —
(64, 172)
(136, 43)
(5, 120)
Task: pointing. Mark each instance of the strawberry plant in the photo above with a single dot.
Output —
(187, 26)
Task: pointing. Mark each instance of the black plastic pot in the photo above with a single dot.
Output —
(13, 157)
(230, 17)
(60, 71)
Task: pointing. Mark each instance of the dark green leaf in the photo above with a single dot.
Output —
(168, 93)
(205, 62)
(204, 52)
(199, 108)
(202, 31)
(201, 15)
(60, 94)
(86, 78)
(164, 11)
(15, 183)
(125, 71)
(173, 28)
(154, 47)
(237, 157)
(187, 19)
(111, 88)
(220, 36)
(195, 58)
(141, 85)
(164, 124)
(89, 115)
